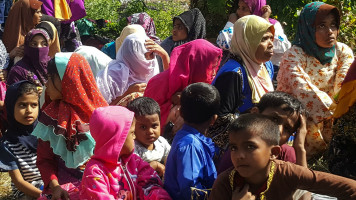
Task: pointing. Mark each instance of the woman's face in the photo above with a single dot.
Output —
(326, 32)
(54, 87)
(243, 9)
(179, 32)
(38, 41)
(264, 50)
(37, 17)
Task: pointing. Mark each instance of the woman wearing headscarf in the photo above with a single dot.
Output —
(195, 61)
(314, 68)
(23, 16)
(342, 157)
(246, 76)
(147, 23)
(126, 31)
(134, 64)
(53, 43)
(33, 66)
(64, 139)
(187, 26)
(259, 8)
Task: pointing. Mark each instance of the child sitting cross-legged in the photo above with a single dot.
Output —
(149, 145)
(114, 171)
(189, 163)
(257, 174)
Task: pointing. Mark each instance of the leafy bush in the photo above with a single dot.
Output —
(162, 12)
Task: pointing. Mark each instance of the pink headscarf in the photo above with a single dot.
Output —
(192, 62)
(256, 8)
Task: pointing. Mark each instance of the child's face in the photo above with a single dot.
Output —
(287, 122)
(26, 109)
(250, 155)
(129, 144)
(243, 9)
(147, 129)
(54, 87)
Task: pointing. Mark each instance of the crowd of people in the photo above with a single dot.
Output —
(179, 118)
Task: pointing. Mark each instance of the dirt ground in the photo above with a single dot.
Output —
(5, 186)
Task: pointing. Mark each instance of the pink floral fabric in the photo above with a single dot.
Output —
(315, 85)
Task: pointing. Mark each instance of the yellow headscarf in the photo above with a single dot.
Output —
(248, 32)
(128, 30)
(54, 46)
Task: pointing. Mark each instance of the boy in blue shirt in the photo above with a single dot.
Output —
(190, 163)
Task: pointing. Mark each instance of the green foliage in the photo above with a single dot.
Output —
(162, 12)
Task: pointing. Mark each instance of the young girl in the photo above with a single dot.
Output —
(65, 142)
(18, 146)
(114, 171)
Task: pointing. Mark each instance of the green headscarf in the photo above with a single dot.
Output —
(305, 37)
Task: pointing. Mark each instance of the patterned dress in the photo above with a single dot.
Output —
(315, 85)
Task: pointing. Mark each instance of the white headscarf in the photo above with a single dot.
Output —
(96, 58)
(130, 67)
(129, 29)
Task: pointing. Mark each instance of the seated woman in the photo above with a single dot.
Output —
(259, 8)
(187, 26)
(53, 43)
(33, 66)
(64, 140)
(23, 16)
(246, 76)
(195, 61)
(314, 68)
(342, 157)
(126, 31)
(134, 66)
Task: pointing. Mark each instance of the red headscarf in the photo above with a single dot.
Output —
(81, 96)
(192, 62)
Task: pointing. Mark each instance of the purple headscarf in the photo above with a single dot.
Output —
(147, 23)
(256, 8)
(33, 66)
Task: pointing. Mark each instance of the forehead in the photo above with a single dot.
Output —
(243, 136)
(147, 118)
(291, 117)
(177, 21)
(31, 96)
(38, 37)
(242, 4)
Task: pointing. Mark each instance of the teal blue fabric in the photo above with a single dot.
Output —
(305, 37)
(72, 159)
(62, 60)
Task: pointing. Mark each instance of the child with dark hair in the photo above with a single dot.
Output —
(17, 146)
(149, 145)
(290, 115)
(257, 174)
(190, 163)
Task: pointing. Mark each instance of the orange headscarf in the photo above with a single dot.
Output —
(19, 23)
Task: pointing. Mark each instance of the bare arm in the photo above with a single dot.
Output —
(57, 192)
(23, 185)
(298, 144)
(153, 47)
(137, 87)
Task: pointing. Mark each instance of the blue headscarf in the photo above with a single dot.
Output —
(16, 131)
(305, 37)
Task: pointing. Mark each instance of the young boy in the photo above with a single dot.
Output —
(149, 145)
(190, 162)
(257, 174)
(290, 115)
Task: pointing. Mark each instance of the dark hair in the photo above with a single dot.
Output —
(52, 68)
(27, 88)
(260, 124)
(199, 102)
(278, 99)
(144, 106)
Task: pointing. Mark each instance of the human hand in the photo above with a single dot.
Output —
(158, 167)
(3, 74)
(233, 18)
(137, 87)
(244, 194)
(266, 12)
(58, 193)
(152, 48)
(301, 133)
(17, 51)
(175, 99)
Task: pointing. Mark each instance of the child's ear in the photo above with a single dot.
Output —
(213, 119)
(275, 151)
(254, 110)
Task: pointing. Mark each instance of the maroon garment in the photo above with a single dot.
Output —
(287, 178)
